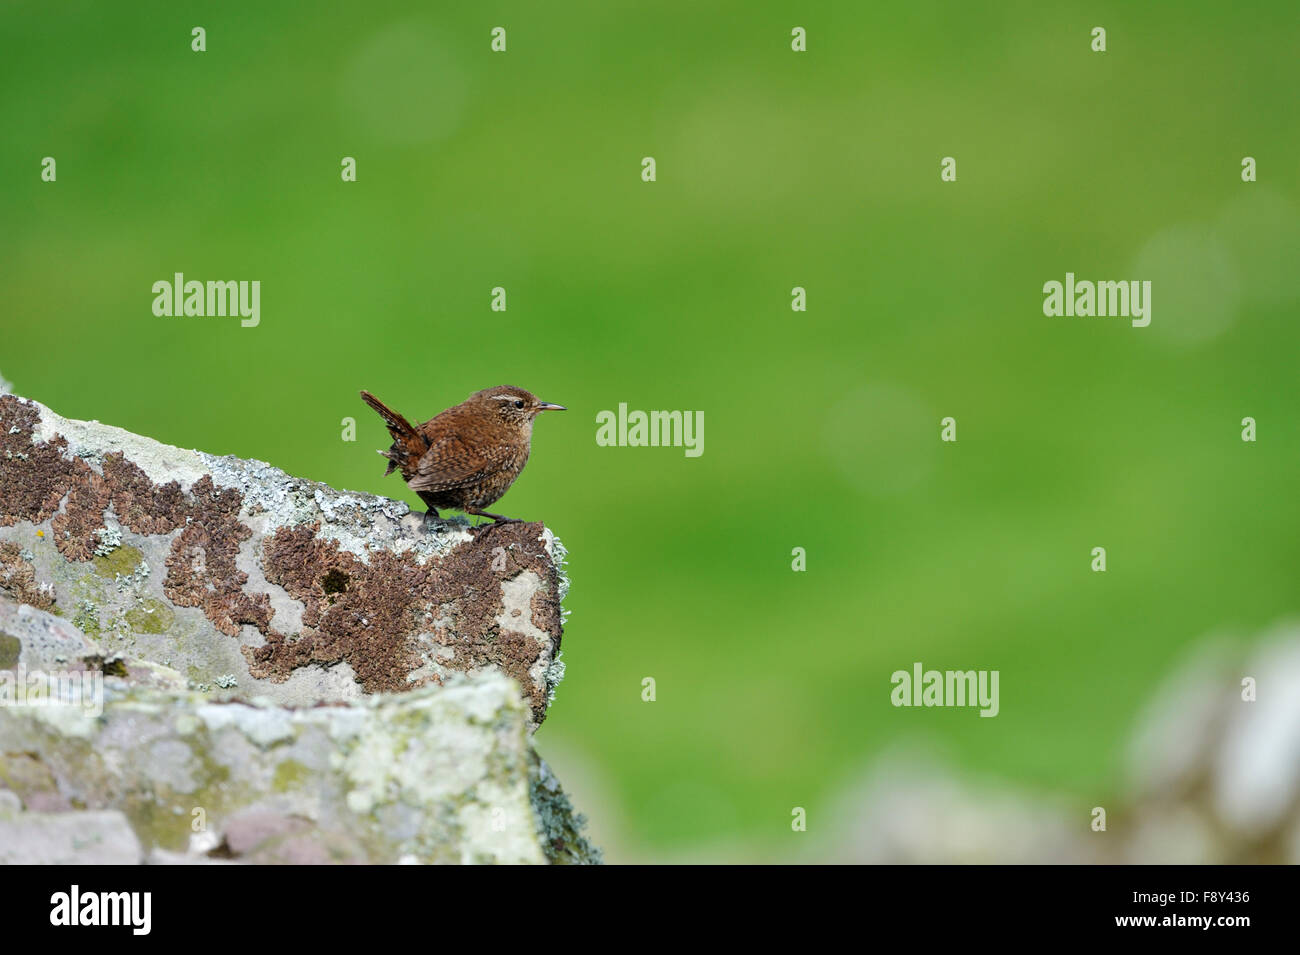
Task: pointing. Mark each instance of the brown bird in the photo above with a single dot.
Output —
(468, 456)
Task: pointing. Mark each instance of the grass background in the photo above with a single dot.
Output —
(775, 169)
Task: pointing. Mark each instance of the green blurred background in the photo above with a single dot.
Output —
(775, 169)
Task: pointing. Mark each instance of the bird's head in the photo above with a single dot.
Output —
(513, 405)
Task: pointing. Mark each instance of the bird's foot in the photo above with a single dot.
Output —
(496, 518)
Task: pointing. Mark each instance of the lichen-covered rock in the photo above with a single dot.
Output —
(436, 775)
(253, 583)
(207, 660)
(66, 838)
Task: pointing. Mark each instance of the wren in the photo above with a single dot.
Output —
(467, 457)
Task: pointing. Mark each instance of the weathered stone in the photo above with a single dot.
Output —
(66, 838)
(253, 583)
(440, 774)
(258, 668)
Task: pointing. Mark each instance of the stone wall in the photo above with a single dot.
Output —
(320, 674)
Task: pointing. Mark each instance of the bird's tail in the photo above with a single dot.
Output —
(408, 445)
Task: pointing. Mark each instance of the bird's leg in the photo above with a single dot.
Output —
(431, 515)
(495, 517)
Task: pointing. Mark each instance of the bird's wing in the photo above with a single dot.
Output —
(451, 463)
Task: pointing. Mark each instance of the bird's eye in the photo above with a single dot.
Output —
(519, 403)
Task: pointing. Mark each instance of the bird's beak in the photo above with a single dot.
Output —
(547, 406)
